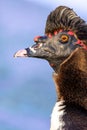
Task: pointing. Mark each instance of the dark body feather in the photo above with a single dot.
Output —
(68, 116)
(71, 88)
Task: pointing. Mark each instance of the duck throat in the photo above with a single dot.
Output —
(55, 63)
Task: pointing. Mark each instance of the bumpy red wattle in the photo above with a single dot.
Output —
(71, 33)
(81, 44)
(36, 38)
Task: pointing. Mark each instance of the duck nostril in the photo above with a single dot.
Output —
(36, 46)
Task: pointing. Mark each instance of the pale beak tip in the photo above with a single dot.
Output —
(20, 53)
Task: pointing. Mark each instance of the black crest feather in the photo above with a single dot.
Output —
(65, 18)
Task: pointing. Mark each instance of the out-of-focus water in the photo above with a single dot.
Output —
(27, 92)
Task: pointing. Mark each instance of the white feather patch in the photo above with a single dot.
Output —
(32, 49)
(57, 122)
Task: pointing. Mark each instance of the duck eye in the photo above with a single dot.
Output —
(64, 38)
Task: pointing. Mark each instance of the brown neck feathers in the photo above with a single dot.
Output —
(71, 80)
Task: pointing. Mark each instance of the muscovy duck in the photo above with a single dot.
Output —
(64, 47)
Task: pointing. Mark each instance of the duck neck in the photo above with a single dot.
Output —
(69, 82)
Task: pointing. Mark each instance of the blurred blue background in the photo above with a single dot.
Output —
(27, 92)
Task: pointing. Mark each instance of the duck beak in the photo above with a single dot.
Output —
(21, 53)
(28, 52)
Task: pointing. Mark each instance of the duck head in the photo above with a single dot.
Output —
(53, 48)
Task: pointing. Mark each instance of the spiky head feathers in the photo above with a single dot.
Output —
(65, 18)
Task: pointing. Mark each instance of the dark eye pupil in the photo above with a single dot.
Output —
(64, 38)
